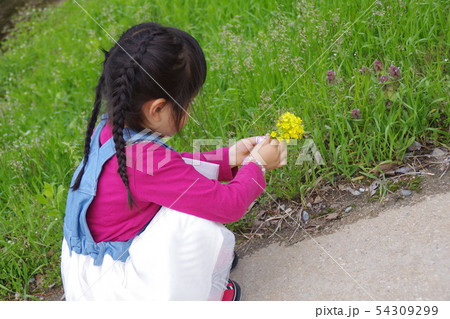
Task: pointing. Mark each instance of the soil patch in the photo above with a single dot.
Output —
(330, 207)
(11, 7)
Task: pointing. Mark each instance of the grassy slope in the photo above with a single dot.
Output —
(255, 50)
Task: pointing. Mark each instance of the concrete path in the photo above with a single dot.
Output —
(402, 254)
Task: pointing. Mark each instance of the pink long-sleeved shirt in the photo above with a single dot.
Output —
(160, 177)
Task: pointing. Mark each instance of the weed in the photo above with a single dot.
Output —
(242, 225)
(414, 184)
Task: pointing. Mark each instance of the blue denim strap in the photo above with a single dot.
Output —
(132, 137)
(76, 230)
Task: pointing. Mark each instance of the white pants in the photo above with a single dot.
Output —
(177, 257)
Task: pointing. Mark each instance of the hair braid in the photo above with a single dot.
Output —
(121, 97)
(90, 129)
(121, 100)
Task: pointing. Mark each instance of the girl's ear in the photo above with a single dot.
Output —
(151, 110)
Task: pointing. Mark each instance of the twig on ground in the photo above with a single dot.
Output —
(298, 226)
(278, 227)
(445, 171)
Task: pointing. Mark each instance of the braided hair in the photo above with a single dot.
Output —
(148, 62)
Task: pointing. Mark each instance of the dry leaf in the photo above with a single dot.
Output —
(385, 167)
(332, 216)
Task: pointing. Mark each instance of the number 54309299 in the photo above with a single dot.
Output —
(407, 310)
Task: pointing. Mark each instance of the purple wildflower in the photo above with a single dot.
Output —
(356, 113)
(384, 78)
(394, 72)
(363, 70)
(378, 66)
(331, 77)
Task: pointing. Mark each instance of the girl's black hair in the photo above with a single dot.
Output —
(148, 62)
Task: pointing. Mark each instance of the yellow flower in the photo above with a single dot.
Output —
(289, 127)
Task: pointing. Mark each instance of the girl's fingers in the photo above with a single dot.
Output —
(252, 140)
(259, 145)
(283, 153)
(274, 141)
(259, 139)
(283, 158)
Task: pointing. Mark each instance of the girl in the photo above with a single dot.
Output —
(143, 221)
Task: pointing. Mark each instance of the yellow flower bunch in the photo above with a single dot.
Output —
(289, 127)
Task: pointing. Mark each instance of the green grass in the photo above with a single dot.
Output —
(256, 50)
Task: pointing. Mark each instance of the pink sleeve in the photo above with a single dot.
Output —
(168, 181)
(219, 156)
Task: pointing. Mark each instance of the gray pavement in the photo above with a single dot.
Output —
(402, 254)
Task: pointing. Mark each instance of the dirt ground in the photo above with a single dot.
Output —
(331, 207)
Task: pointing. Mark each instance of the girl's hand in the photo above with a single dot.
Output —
(241, 149)
(271, 153)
